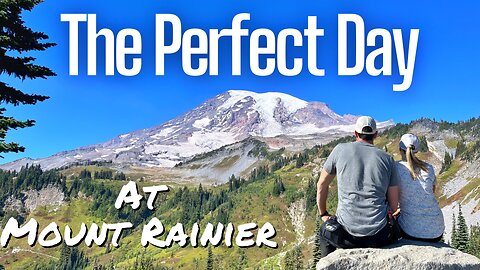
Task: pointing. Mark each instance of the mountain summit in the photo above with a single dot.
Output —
(225, 119)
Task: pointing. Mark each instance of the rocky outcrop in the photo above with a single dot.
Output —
(47, 196)
(297, 216)
(31, 199)
(403, 255)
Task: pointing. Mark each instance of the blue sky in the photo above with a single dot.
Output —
(85, 110)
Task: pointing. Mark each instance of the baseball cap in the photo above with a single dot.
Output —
(409, 140)
(363, 122)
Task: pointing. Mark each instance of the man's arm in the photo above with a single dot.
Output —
(393, 189)
(392, 196)
(322, 192)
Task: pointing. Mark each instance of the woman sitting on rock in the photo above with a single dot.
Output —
(421, 217)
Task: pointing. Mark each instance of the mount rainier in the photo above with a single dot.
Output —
(225, 119)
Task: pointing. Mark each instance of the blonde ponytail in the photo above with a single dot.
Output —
(414, 163)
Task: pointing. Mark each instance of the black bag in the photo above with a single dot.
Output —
(334, 233)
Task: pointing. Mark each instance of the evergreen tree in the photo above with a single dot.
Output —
(85, 174)
(294, 259)
(143, 262)
(317, 252)
(234, 183)
(462, 232)
(29, 177)
(423, 144)
(302, 158)
(474, 241)
(289, 261)
(196, 263)
(240, 262)
(222, 216)
(461, 147)
(103, 174)
(447, 162)
(311, 195)
(298, 258)
(17, 39)
(71, 258)
(120, 176)
(278, 187)
(242, 259)
(454, 239)
(209, 259)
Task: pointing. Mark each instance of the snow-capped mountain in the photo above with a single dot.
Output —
(222, 120)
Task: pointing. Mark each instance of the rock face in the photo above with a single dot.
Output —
(47, 196)
(403, 255)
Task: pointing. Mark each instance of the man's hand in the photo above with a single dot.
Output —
(325, 218)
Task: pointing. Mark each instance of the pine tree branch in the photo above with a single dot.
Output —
(22, 67)
(14, 35)
(7, 123)
(17, 6)
(16, 97)
(10, 147)
(12, 42)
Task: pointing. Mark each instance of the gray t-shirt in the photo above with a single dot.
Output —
(421, 215)
(364, 174)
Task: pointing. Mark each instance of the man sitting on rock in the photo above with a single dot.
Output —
(367, 179)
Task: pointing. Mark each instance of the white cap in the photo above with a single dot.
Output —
(409, 140)
(363, 122)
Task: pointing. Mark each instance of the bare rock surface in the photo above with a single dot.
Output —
(32, 199)
(403, 255)
(47, 196)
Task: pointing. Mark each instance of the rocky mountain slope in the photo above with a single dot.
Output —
(225, 119)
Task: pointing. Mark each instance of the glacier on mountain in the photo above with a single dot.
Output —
(225, 119)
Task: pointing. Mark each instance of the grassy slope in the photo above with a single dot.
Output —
(252, 203)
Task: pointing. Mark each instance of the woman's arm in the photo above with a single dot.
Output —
(392, 196)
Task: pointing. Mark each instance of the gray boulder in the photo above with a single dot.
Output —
(402, 255)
